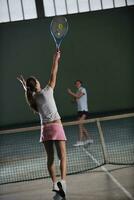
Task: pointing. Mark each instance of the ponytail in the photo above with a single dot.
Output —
(31, 89)
(31, 100)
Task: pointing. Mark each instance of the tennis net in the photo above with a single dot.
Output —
(23, 158)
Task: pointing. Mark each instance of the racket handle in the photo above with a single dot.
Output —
(57, 49)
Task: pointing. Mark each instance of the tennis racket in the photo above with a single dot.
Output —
(58, 29)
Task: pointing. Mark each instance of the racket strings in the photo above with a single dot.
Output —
(59, 27)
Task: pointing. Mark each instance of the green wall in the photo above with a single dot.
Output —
(99, 50)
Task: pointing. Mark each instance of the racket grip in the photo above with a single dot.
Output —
(57, 49)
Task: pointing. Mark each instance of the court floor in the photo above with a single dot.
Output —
(116, 183)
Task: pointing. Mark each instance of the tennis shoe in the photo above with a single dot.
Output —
(57, 197)
(62, 188)
(79, 143)
(89, 141)
(55, 187)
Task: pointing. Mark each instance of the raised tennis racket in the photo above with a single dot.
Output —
(58, 29)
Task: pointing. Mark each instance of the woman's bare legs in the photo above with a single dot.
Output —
(83, 133)
(61, 151)
(49, 146)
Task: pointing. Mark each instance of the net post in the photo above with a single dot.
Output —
(104, 149)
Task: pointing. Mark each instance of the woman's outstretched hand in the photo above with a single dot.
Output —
(22, 81)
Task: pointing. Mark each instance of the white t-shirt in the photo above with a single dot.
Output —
(46, 105)
(82, 104)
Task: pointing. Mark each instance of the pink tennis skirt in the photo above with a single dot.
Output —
(53, 131)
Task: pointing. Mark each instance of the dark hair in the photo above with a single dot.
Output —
(31, 88)
(78, 81)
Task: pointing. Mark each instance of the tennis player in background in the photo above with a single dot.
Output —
(52, 133)
(82, 107)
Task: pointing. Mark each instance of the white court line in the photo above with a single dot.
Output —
(110, 175)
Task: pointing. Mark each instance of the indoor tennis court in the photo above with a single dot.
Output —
(97, 48)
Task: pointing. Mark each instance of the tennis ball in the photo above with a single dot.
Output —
(60, 26)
